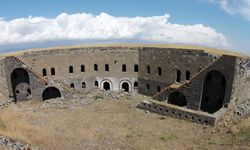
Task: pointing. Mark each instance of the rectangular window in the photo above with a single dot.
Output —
(159, 71)
(106, 67)
(95, 67)
(71, 69)
(82, 68)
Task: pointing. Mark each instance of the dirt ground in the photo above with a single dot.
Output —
(108, 124)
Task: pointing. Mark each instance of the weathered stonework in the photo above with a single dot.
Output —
(194, 78)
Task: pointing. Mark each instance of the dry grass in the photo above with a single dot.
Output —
(105, 124)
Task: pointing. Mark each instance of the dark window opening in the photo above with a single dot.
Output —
(44, 72)
(29, 91)
(96, 83)
(124, 68)
(147, 86)
(95, 67)
(177, 98)
(53, 72)
(158, 88)
(148, 69)
(51, 92)
(106, 86)
(72, 85)
(135, 85)
(106, 67)
(82, 68)
(159, 71)
(71, 69)
(17, 91)
(136, 68)
(83, 84)
(178, 78)
(125, 86)
(187, 75)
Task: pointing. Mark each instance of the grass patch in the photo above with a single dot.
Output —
(168, 136)
(2, 124)
(96, 97)
(244, 133)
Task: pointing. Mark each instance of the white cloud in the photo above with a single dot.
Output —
(235, 7)
(84, 26)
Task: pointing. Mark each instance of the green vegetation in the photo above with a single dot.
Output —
(96, 97)
(2, 124)
(168, 136)
(244, 133)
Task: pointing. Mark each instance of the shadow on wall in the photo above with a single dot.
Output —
(213, 92)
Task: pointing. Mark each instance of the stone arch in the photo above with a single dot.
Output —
(177, 98)
(107, 85)
(214, 88)
(20, 83)
(126, 86)
(51, 92)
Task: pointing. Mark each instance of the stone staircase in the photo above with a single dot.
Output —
(180, 85)
(46, 80)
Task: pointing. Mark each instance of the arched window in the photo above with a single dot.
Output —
(159, 71)
(82, 68)
(52, 71)
(44, 72)
(187, 75)
(124, 68)
(106, 67)
(178, 76)
(148, 69)
(95, 67)
(71, 69)
(83, 84)
(136, 68)
(72, 85)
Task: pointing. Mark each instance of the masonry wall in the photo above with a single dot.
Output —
(241, 84)
(60, 60)
(170, 60)
(4, 92)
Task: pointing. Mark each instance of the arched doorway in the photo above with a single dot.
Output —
(106, 86)
(177, 98)
(51, 92)
(20, 84)
(214, 89)
(125, 86)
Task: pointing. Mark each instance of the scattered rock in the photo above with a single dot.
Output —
(13, 144)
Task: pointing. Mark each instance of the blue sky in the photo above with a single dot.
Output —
(216, 23)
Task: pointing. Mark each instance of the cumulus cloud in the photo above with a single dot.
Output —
(235, 7)
(85, 26)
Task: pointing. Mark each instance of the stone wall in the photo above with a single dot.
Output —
(4, 93)
(241, 84)
(157, 70)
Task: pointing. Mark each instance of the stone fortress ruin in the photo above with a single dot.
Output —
(186, 82)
